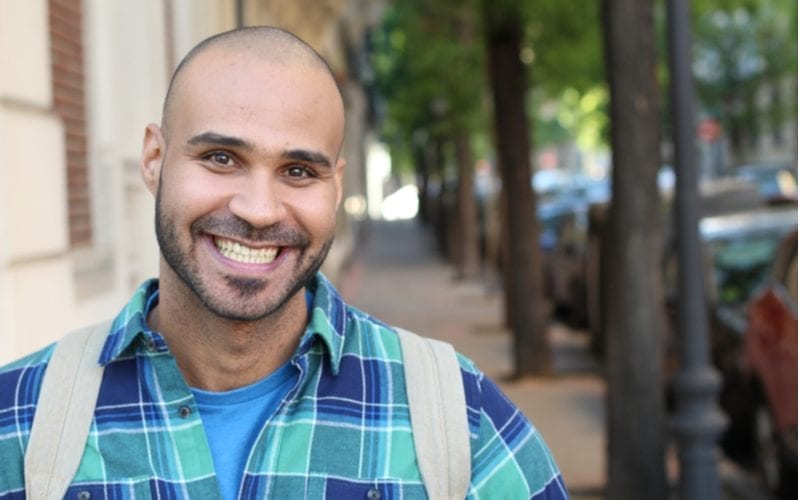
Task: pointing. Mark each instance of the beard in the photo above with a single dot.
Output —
(237, 300)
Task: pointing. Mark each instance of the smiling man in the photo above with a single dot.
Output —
(240, 372)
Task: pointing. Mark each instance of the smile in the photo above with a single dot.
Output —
(237, 252)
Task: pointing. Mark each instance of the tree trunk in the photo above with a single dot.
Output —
(441, 202)
(468, 256)
(634, 319)
(523, 279)
(423, 171)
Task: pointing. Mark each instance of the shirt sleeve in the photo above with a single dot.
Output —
(510, 459)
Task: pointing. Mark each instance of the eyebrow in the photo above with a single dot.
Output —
(308, 157)
(213, 138)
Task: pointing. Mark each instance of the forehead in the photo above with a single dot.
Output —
(295, 101)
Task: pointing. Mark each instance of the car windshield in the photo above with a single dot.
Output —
(772, 180)
(741, 265)
(743, 247)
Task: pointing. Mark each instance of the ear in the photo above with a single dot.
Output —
(153, 150)
(338, 177)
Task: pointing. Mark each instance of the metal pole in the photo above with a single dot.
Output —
(698, 422)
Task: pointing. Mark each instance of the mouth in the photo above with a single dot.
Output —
(238, 252)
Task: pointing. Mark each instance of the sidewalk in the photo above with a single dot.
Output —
(398, 278)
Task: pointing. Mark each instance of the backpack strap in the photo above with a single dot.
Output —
(64, 412)
(438, 415)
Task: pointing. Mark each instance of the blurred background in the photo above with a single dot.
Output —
(532, 140)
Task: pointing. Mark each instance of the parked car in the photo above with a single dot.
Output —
(564, 225)
(745, 254)
(769, 369)
(718, 198)
(745, 263)
(777, 182)
(738, 250)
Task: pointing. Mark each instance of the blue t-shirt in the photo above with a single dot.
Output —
(232, 420)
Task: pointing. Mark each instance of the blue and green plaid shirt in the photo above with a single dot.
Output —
(342, 432)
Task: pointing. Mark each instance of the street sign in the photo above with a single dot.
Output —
(708, 130)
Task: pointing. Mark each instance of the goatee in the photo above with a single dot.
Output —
(235, 301)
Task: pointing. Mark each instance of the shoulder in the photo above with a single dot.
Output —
(21, 380)
(509, 453)
(20, 384)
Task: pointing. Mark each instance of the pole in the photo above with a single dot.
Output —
(698, 422)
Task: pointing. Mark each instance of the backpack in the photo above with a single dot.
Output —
(72, 381)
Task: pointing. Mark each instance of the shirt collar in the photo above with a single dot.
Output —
(130, 324)
(326, 322)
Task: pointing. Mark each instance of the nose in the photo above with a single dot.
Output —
(257, 201)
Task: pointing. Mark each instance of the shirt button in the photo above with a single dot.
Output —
(83, 495)
(374, 494)
(150, 344)
(184, 411)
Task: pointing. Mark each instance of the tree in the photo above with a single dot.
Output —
(743, 48)
(562, 41)
(430, 70)
(631, 251)
(523, 276)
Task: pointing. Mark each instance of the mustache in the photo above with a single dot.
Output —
(231, 226)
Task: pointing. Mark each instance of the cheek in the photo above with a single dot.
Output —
(317, 213)
(190, 196)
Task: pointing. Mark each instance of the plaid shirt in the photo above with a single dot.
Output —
(342, 432)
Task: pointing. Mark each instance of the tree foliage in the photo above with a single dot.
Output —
(435, 82)
(434, 77)
(744, 48)
(430, 67)
(570, 100)
(564, 38)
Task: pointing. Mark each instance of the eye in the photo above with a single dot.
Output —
(299, 172)
(219, 158)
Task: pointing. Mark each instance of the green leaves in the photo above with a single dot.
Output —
(744, 50)
(430, 62)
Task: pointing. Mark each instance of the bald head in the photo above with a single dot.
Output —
(265, 43)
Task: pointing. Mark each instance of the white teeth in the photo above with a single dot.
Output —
(244, 254)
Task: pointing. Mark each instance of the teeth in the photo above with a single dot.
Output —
(244, 254)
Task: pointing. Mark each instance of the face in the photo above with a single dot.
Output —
(247, 182)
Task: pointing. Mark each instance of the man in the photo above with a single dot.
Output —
(240, 372)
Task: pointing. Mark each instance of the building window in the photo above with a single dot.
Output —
(66, 48)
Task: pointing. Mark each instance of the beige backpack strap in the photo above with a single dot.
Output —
(64, 412)
(438, 415)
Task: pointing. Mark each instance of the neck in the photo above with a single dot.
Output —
(219, 354)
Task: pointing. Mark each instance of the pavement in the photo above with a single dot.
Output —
(397, 276)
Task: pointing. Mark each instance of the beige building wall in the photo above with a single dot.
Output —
(33, 268)
(195, 20)
(48, 286)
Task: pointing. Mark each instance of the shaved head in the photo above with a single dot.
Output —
(267, 43)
